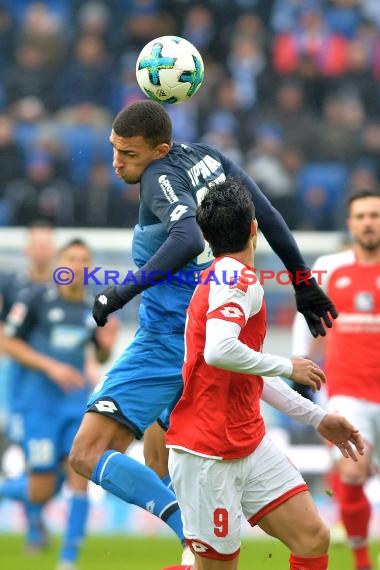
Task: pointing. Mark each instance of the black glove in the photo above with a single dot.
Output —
(105, 303)
(315, 306)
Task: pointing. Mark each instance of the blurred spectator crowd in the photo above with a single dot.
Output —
(291, 93)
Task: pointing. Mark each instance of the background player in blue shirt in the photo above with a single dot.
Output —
(47, 332)
(147, 377)
(40, 251)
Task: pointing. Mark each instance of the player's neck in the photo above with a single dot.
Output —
(246, 256)
(367, 256)
(40, 274)
(72, 293)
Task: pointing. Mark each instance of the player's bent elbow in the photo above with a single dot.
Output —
(212, 356)
(195, 248)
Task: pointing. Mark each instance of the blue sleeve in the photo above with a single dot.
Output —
(23, 313)
(270, 221)
(184, 242)
(167, 194)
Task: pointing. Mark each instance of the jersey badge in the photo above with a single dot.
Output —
(364, 301)
(231, 312)
(56, 314)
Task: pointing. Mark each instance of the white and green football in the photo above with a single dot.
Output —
(169, 69)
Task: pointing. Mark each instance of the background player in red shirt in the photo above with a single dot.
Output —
(352, 364)
(221, 462)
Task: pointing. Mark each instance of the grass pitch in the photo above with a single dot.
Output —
(152, 553)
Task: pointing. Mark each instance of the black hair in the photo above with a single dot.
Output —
(225, 215)
(359, 194)
(72, 243)
(144, 118)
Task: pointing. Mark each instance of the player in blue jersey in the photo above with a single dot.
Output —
(47, 331)
(147, 377)
(39, 252)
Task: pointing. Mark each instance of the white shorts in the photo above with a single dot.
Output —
(213, 495)
(363, 415)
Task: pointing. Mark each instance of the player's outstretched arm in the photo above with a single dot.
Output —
(311, 300)
(223, 349)
(183, 243)
(278, 394)
(316, 307)
(340, 432)
(335, 429)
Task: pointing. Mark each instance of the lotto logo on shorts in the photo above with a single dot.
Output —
(198, 547)
(106, 406)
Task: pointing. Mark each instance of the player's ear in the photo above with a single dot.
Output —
(162, 150)
(254, 227)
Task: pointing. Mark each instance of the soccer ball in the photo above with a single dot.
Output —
(169, 70)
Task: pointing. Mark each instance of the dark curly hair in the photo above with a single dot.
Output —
(225, 215)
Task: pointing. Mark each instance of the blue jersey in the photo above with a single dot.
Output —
(171, 189)
(57, 328)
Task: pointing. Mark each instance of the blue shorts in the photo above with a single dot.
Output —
(143, 381)
(48, 437)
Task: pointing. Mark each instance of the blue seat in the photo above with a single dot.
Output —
(85, 145)
(321, 194)
(18, 8)
(5, 213)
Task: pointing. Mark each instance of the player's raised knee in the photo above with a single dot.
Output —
(318, 540)
(80, 459)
